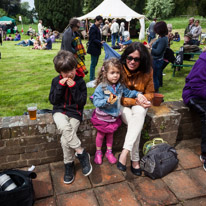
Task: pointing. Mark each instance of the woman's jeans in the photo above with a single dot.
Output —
(94, 61)
(199, 106)
(157, 72)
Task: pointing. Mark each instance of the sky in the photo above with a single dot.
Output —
(31, 3)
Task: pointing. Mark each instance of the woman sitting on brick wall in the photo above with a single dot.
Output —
(194, 96)
(138, 75)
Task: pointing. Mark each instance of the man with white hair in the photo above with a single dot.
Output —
(114, 30)
(190, 25)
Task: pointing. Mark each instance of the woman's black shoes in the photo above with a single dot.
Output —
(137, 172)
(120, 166)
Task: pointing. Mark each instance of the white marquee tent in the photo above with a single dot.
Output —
(110, 9)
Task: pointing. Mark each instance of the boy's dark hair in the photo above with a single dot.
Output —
(98, 18)
(73, 22)
(161, 28)
(145, 57)
(64, 61)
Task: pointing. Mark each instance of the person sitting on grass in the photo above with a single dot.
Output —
(124, 44)
(28, 42)
(48, 44)
(176, 37)
(68, 95)
(9, 38)
(37, 43)
(17, 37)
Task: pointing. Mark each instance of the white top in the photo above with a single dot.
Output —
(40, 28)
(114, 28)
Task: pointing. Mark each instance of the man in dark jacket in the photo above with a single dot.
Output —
(68, 95)
(4, 28)
(95, 45)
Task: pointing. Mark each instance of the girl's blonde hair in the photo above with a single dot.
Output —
(102, 76)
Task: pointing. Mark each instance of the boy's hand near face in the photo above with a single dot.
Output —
(63, 81)
(70, 82)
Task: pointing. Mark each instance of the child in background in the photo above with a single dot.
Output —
(68, 95)
(106, 99)
(176, 37)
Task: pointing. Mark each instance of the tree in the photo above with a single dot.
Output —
(56, 14)
(136, 5)
(159, 8)
(2, 12)
(12, 7)
(202, 7)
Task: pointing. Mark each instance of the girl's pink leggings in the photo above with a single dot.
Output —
(100, 138)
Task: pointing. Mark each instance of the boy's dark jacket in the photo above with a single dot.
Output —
(68, 100)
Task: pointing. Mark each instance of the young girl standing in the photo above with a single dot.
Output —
(106, 99)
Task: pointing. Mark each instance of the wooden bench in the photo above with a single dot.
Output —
(177, 66)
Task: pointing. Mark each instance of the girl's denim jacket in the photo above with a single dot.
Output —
(102, 93)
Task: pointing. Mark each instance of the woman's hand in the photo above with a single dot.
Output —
(142, 100)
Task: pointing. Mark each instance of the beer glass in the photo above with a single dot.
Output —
(32, 108)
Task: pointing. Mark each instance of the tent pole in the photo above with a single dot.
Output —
(87, 29)
(128, 25)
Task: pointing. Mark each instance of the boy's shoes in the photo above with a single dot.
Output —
(203, 160)
(69, 173)
(84, 159)
(111, 158)
(98, 158)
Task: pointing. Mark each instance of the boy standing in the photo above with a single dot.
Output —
(68, 95)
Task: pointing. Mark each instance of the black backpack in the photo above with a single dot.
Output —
(159, 161)
(23, 194)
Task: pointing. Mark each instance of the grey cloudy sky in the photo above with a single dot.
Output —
(31, 3)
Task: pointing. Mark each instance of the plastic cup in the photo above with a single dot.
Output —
(32, 108)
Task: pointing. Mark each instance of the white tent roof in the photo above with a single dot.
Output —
(112, 9)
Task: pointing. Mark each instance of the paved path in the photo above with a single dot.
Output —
(110, 187)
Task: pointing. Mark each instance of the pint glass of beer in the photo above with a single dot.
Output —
(32, 108)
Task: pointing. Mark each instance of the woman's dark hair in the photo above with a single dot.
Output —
(64, 61)
(161, 28)
(73, 22)
(98, 18)
(145, 57)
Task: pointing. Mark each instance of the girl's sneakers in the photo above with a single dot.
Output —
(111, 158)
(98, 157)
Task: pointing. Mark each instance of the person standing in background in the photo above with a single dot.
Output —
(114, 30)
(40, 30)
(151, 31)
(95, 45)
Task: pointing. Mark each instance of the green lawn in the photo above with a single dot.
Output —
(26, 75)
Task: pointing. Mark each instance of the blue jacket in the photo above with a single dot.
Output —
(159, 47)
(102, 93)
(95, 44)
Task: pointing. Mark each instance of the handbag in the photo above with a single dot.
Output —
(22, 194)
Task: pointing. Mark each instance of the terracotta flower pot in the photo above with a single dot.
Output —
(157, 100)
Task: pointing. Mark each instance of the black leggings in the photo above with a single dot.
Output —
(199, 105)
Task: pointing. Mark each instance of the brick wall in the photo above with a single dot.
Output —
(24, 142)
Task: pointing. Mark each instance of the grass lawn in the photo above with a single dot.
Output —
(26, 75)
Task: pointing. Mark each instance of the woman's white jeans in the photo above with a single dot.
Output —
(134, 118)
